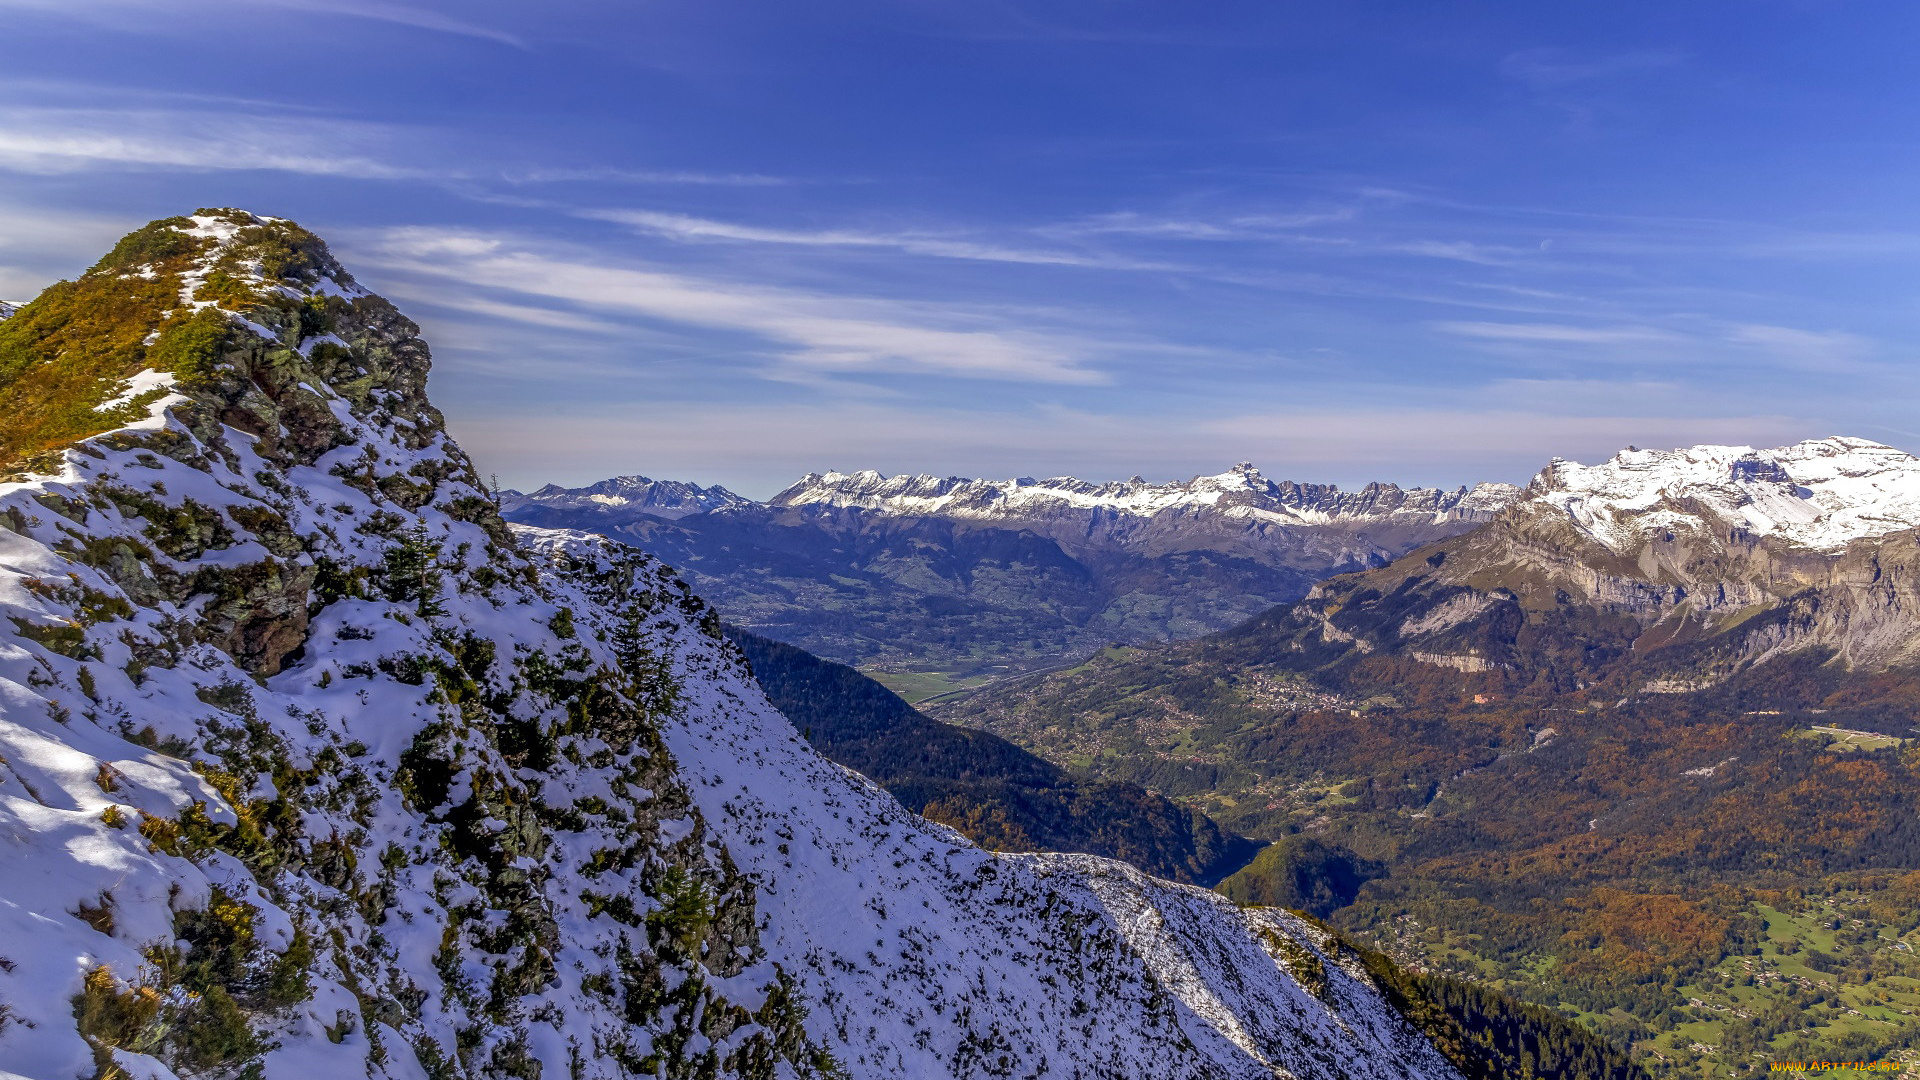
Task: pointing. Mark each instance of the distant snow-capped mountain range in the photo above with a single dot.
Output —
(1820, 494)
(1241, 492)
(868, 568)
(845, 563)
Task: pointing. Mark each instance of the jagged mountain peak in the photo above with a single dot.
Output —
(247, 317)
(1242, 491)
(1819, 494)
(666, 499)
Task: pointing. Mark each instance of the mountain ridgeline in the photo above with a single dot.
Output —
(310, 766)
(1642, 746)
(965, 576)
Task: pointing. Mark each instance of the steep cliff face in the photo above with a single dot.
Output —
(1692, 563)
(969, 574)
(310, 767)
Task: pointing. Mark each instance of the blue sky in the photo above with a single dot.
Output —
(732, 242)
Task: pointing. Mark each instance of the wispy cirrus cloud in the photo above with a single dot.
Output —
(211, 134)
(686, 228)
(1240, 226)
(611, 175)
(529, 315)
(1558, 333)
(151, 16)
(802, 330)
(51, 140)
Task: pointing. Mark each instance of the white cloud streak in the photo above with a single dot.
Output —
(642, 176)
(1558, 333)
(808, 330)
(254, 135)
(1233, 227)
(693, 229)
(60, 140)
(171, 16)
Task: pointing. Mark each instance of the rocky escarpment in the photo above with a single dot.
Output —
(310, 767)
(1692, 564)
(968, 574)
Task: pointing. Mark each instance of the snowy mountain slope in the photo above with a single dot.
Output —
(664, 499)
(7, 309)
(1820, 494)
(309, 768)
(1055, 959)
(1719, 557)
(876, 570)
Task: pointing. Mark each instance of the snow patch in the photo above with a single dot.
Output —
(1820, 494)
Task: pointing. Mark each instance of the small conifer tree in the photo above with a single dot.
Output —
(413, 572)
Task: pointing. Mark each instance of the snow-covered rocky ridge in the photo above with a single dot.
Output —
(1725, 556)
(1820, 494)
(309, 766)
(1240, 493)
(665, 499)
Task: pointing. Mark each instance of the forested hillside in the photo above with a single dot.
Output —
(1004, 797)
(1000, 796)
